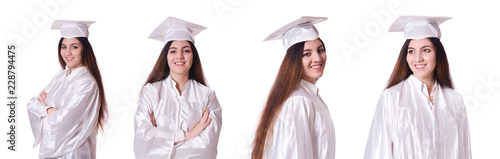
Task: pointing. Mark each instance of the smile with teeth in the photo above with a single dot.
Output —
(179, 63)
(420, 66)
(69, 58)
(316, 67)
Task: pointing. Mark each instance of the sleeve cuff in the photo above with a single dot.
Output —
(44, 110)
(179, 136)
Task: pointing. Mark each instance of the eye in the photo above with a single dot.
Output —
(74, 47)
(63, 47)
(427, 50)
(306, 54)
(172, 51)
(187, 51)
(321, 50)
(410, 51)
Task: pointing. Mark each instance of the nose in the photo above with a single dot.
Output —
(316, 57)
(419, 57)
(180, 55)
(66, 52)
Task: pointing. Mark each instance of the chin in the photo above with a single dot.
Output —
(181, 71)
(421, 74)
(319, 75)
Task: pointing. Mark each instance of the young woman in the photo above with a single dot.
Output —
(65, 117)
(295, 122)
(178, 114)
(419, 114)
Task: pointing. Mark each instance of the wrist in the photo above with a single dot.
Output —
(50, 110)
(186, 135)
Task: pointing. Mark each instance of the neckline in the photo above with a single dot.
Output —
(309, 86)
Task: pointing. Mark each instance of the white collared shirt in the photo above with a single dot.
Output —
(304, 127)
(175, 114)
(408, 125)
(69, 132)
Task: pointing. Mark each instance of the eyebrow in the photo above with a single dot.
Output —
(176, 48)
(421, 47)
(71, 44)
(311, 49)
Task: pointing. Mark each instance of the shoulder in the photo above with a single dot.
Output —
(299, 97)
(149, 91)
(396, 89)
(60, 73)
(299, 93)
(59, 76)
(389, 93)
(451, 93)
(296, 108)
(84, 78)
(297, 102)
(390, 96)
(152, 86)
(202, 88)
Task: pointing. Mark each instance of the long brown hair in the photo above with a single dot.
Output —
(89, 61)
(441, 72)
(288, 78)
(161, 70)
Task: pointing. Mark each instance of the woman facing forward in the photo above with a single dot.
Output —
(66, 115)
(178, 115)
(419, 114)
(296, 123)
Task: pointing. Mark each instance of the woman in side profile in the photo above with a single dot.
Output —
(419, 114)
(178, 115)
(295, 122)
(67, 113)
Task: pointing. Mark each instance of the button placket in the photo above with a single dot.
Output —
(177, 103)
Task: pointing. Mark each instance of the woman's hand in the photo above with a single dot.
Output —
(152, 118)
(42, 98)
(202, 124)
(50, 110)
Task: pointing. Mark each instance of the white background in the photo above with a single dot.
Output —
(241, 68)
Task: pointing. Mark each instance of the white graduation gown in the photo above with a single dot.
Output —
(70, 132)
(408, 125)
(175, 114)
(304, 128)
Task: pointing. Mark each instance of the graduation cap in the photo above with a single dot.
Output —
(72, 28)
(297, 31)
(176, 29)
(418, 27)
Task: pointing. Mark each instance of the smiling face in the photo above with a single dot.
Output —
(313, 60)
(71, 52)
(421, 58)
(180, 58)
